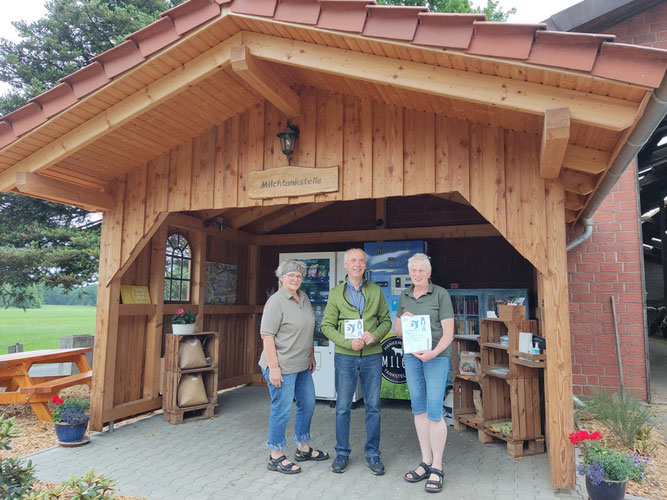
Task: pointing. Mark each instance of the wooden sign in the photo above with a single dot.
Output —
(292, 181)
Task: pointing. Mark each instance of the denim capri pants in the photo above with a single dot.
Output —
(426, 383)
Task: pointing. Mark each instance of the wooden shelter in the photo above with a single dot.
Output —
(166, 132)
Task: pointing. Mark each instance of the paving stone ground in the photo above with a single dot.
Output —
(225, 458)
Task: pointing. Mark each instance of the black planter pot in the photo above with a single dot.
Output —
(606, 490)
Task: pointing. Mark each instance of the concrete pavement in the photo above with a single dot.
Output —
(225, 458)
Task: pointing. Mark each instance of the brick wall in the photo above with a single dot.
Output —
(648, 28)
(609, 264)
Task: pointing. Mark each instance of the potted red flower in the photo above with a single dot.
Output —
(183, 322)
(71, 420)
(607, 470)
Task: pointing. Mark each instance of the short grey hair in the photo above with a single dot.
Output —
(420, 258)
(290, 265)
(347, 253)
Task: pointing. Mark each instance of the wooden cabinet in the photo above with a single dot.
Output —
(173, 413)
(506, 386)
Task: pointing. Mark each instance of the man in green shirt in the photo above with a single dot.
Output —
(357, 359)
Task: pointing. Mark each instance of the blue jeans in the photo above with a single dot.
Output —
(349, 369)
(426, 383)
(295, 386)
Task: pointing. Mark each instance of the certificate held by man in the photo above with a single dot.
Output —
(416, 333)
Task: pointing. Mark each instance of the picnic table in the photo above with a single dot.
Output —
(36, 391)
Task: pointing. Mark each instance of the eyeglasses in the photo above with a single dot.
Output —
(294, 276)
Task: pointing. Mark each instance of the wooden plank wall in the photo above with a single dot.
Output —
(382, 150)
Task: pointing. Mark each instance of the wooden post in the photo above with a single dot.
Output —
(663, 244)
(553, 299)
(253, 280)
(152, 365)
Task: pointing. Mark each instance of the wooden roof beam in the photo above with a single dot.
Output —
(555, 136)
(291, 215)
(59, 191)
(124, 111)
(264, 81)
(408, 233)
(494, 91)
(577, 182)
(589, 161)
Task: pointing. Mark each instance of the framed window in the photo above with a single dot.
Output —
(178, 266)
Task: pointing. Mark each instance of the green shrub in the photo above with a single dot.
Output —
(625, 416)
(16, 477)
(92, 486)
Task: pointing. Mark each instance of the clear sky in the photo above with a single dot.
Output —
(528, 11)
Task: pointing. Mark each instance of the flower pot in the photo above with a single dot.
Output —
(606, 490)
(70, 433)
(183, 329)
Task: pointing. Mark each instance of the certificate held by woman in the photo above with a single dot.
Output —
(416, 333)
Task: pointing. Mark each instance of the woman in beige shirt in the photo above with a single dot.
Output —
(287, 363)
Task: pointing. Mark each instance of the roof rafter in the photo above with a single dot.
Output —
(555, 137)
(527, 97)
(264, 81)
(44, 187)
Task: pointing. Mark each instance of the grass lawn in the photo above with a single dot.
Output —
(41, 328)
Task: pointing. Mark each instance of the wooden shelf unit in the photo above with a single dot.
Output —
(173, 413)
(510, 384)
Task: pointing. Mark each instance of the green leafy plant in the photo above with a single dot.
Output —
(625, 416)
(92, 486)
(16, 476)
(70, 410)
(605, 464)
(183, 317)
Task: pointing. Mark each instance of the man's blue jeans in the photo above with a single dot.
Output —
(295, 386)
(349, 369)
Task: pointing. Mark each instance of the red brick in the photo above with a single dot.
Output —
(623, 196)
(606, 277)
(607, 359)
(611, 370)
(628, 206)
(629, 234)
(634, 288)
(660, 45)
(606, 227)
(661, 36)
(604, 348)
(619, 287)
(604, 216)
(629, 277)
(614, 267)
(659, 26)
(601, 287)
(646, 39)
(582, 277)
(593, 380)
(582, 298)
(629, 215)
(581, 349)
(628, 257)
(591, 369)
(603, 237)
(610, 247)
(583, 338)
(629, 267)
(634, 349)
(583, 317)
(579, 288)
(635, 328)
(579, 379)
(592, 267)
(592, 308)
(592, 257)
(610, 381)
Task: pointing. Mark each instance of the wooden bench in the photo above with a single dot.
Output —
(56, 384)
(38, 391)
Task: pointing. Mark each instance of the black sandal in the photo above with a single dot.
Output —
(276, 464)
(437, 484)
(417, 477)
(302, 456)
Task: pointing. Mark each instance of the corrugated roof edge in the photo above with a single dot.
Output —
(597, 56)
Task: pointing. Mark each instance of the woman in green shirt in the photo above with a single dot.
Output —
(426, 371)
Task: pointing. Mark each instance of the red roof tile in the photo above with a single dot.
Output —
(298, 11)
(344, 15)
(155, 36)
(53, 101)
(566, 50)
(506, 40)
(26, 118)
(452, 31)
(7, 135)
(397, 23)
(191, 14)
(119, 58)
(629, 63)
(266, 8)
(87, 79)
